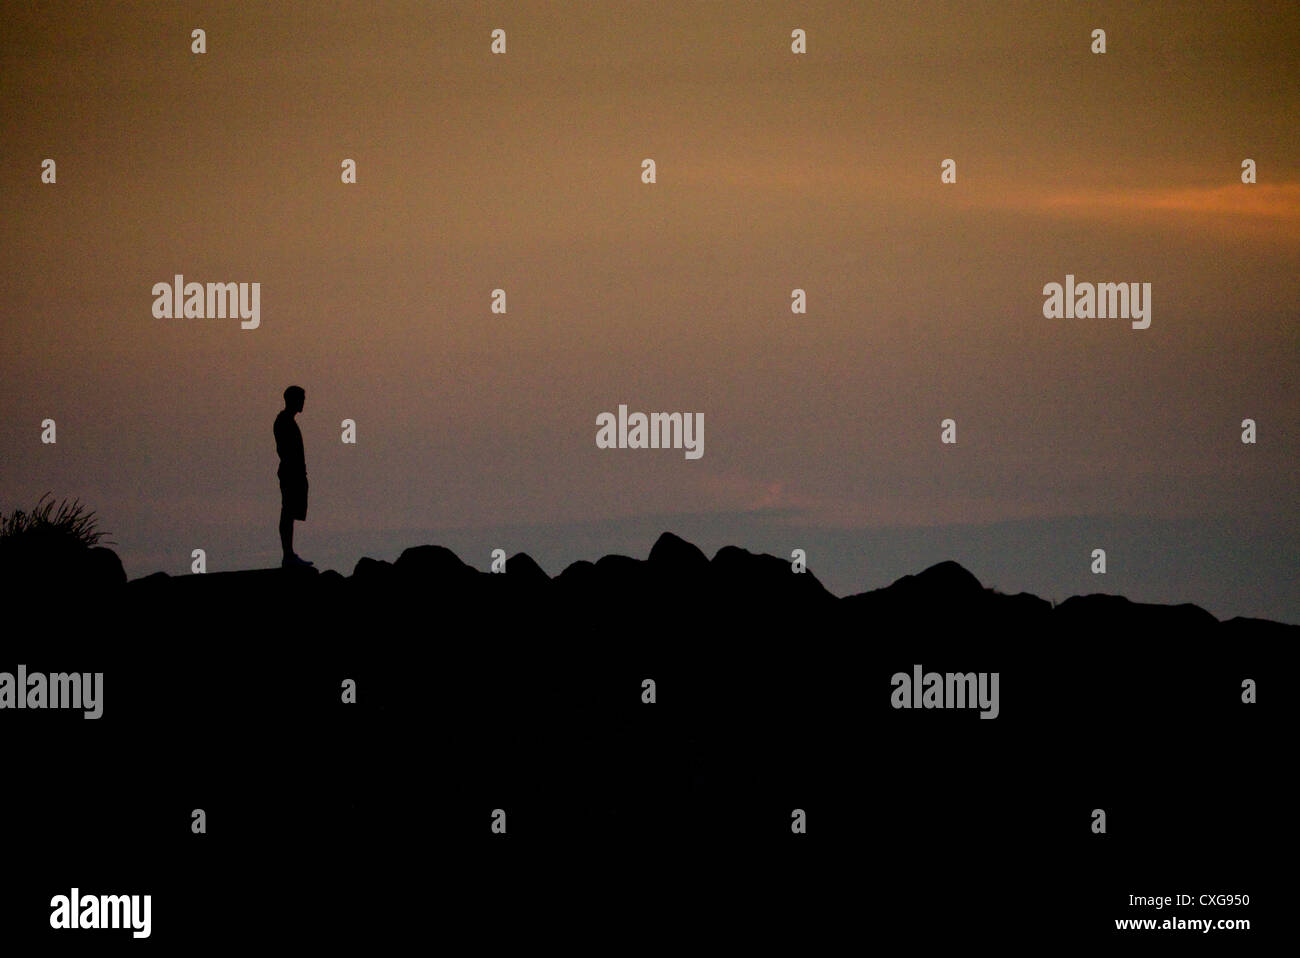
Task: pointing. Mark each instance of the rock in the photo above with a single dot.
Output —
(522, 569)
(678, 555)
(369, 570)
(433, 563)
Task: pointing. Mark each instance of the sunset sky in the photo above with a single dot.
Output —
(523, 171)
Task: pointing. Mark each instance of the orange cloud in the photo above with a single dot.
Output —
(1274, 200)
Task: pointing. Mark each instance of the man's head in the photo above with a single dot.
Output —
(294, 397)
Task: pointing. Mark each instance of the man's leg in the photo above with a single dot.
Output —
(286, 532)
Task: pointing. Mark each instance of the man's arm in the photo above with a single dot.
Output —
(288, 445)
(298, 449)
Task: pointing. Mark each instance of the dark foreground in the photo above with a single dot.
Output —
(631, 824)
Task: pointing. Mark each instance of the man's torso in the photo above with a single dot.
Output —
(288, 443)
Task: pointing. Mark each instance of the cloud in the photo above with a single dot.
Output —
(1275, 203)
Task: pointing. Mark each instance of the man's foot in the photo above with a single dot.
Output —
(295, 561)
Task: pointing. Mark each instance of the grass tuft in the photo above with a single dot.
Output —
(71, 525)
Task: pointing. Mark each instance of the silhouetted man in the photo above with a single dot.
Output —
(292, 472)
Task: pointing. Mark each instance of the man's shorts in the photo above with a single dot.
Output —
(293, 496)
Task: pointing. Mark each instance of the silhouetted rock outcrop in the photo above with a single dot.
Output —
(368, 570)
(677, 591)
(37, 563)
(1103, 612)
(947, 596)
(155, 580)
(944, 578)
(576, 574)
(433, 566)
(675, 553)
(1259, 628)
(766, 583)
(104, 567)
(524, 570)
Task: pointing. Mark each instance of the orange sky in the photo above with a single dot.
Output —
(775, 171)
